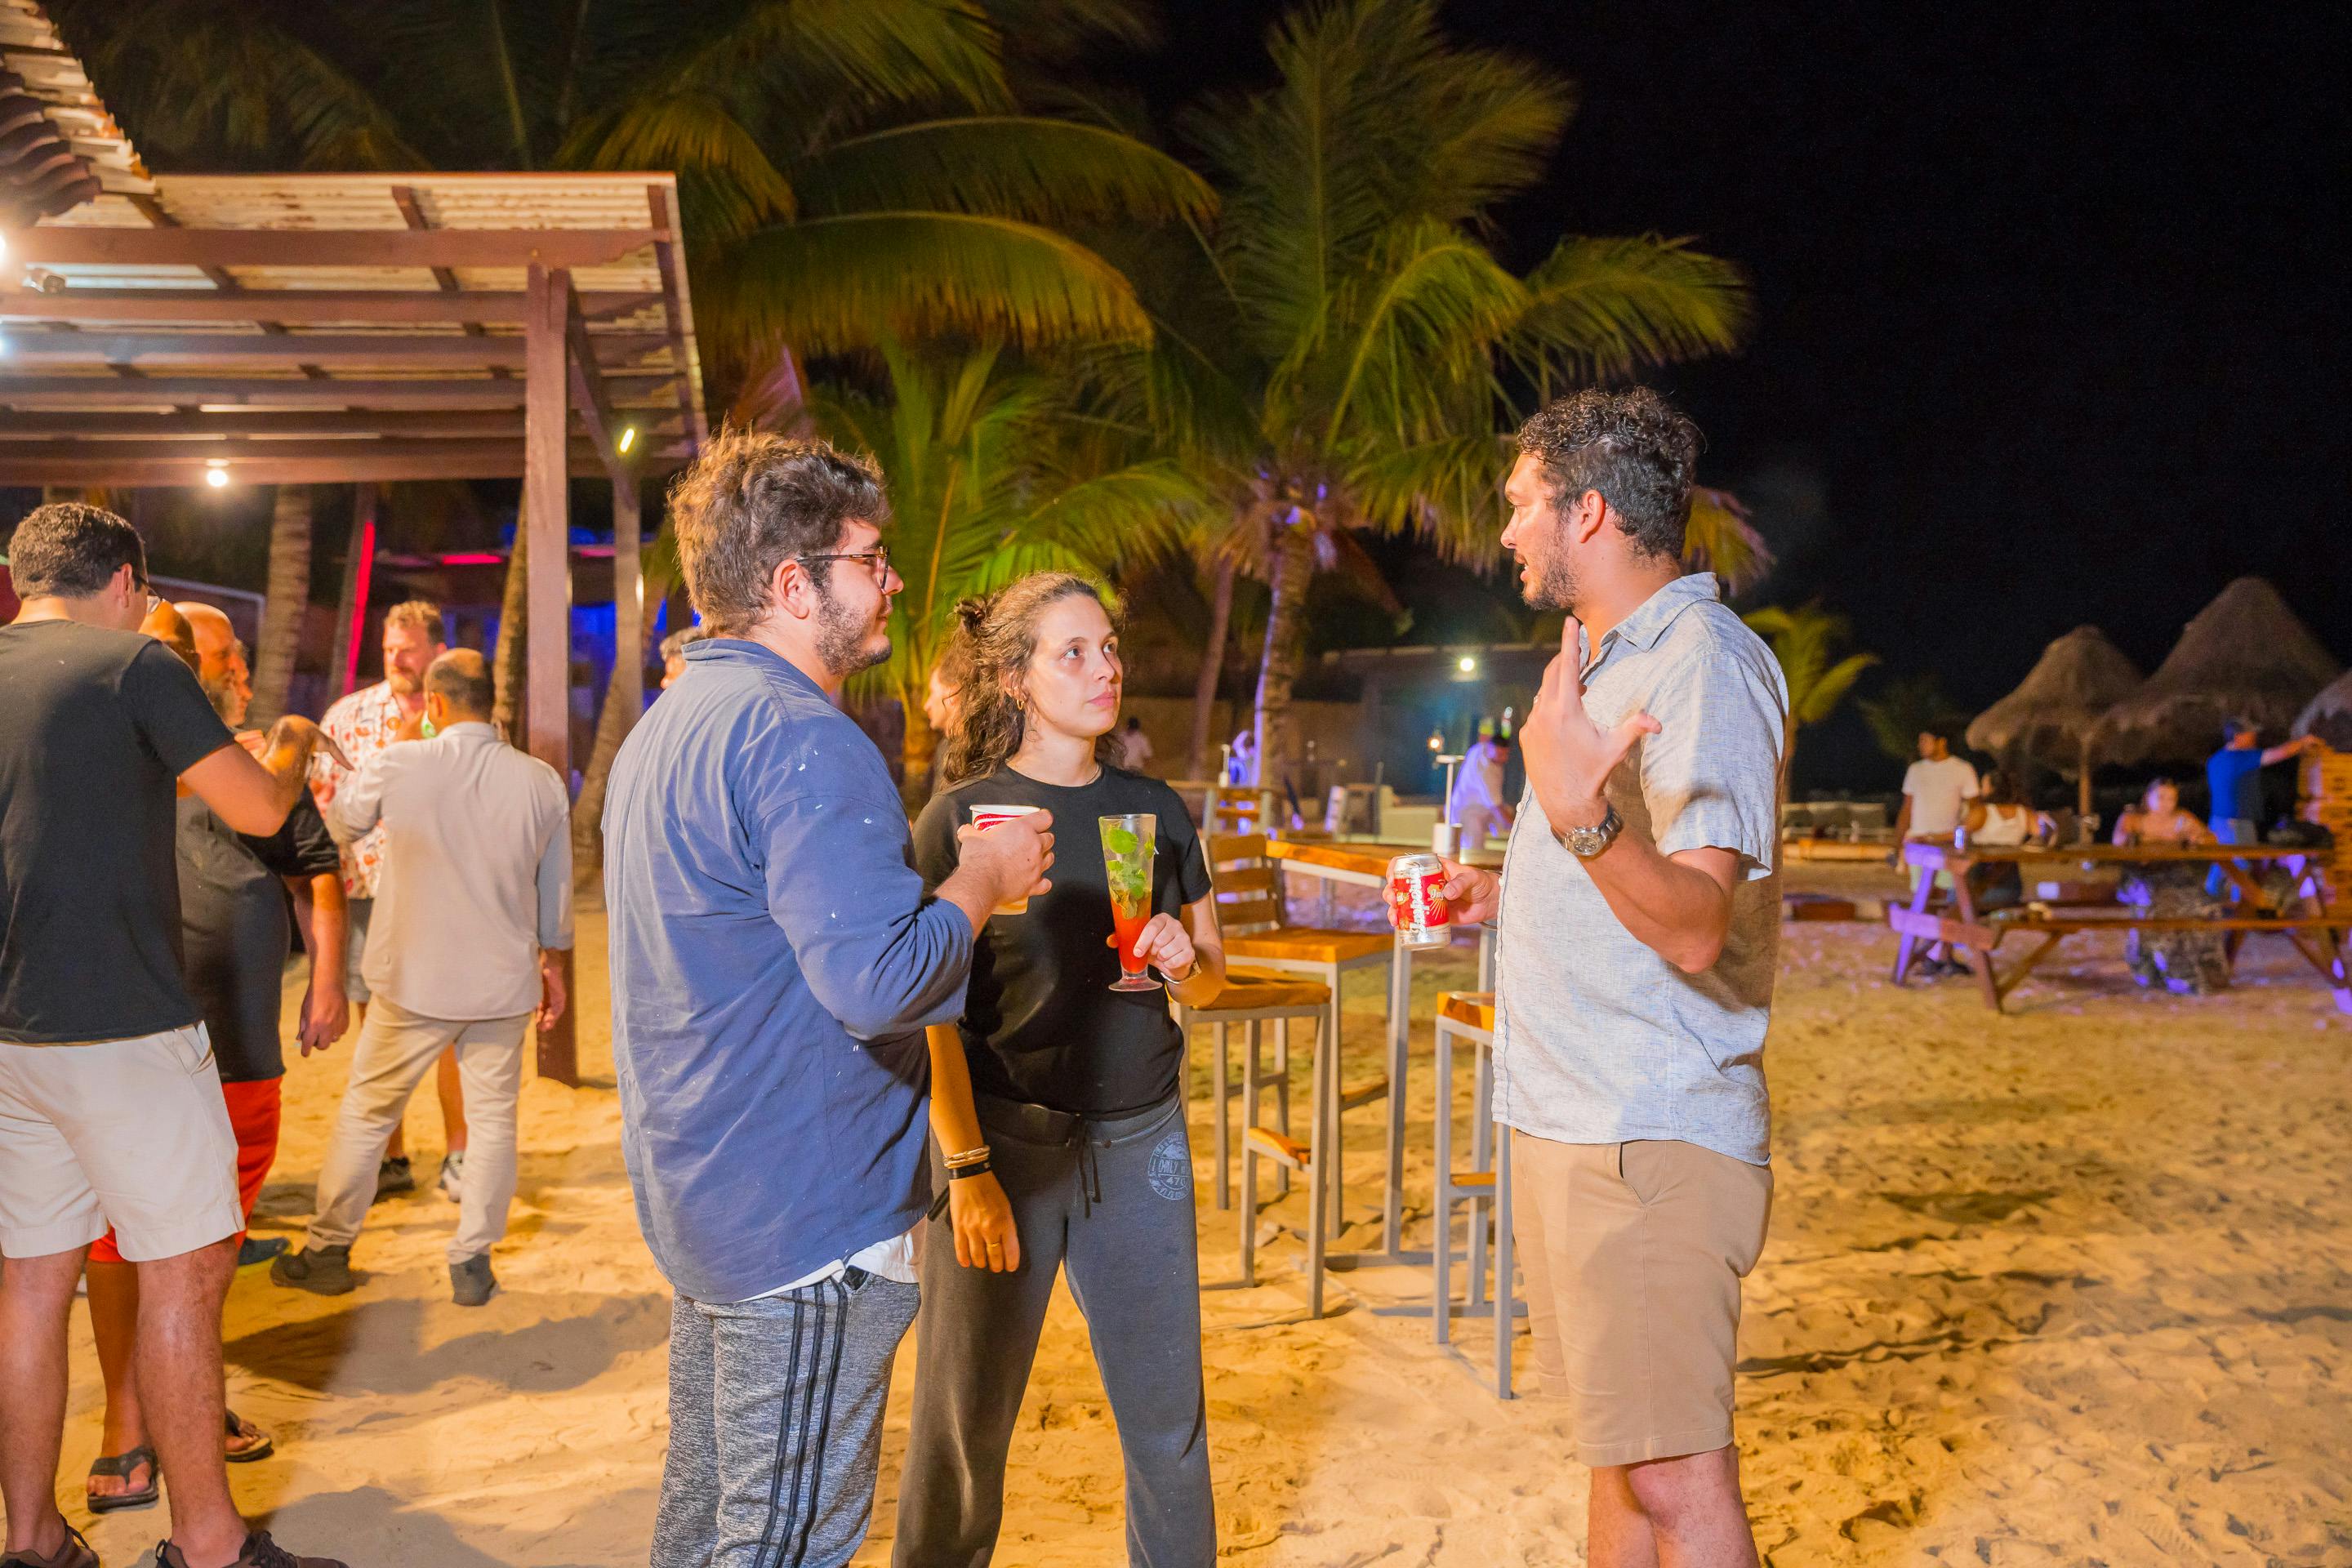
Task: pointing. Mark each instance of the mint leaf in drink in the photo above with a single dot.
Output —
(1121, 842)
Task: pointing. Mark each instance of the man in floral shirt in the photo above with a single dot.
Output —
(364, 723)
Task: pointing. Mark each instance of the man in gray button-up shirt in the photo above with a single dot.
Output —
(1638, 914)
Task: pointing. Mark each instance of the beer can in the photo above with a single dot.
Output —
(1423, 920)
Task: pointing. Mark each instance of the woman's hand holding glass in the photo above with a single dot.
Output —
(1164, 944)
(981, 1217)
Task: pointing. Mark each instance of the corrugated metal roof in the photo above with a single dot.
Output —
(62, 146)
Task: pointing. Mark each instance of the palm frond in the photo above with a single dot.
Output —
(1805, 642)
(1019, 166)
(1602, 307)
(698, 134)
(1447, 490)
(840, 283)
(1722, 539)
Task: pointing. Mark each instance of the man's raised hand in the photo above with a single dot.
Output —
(1569, 757)
(1012, 855)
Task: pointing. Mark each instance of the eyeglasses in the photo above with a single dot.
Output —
(877, 560)
(155, 599)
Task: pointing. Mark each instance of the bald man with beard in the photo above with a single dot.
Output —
(235, 941)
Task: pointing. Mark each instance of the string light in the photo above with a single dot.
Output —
(628, 438)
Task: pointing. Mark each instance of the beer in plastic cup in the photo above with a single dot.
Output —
(987, 816)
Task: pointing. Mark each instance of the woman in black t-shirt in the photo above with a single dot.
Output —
(1058, 1103)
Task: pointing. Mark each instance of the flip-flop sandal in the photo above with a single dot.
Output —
(118, 1467)
(238, 1426)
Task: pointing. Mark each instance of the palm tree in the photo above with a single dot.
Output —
(281, 607)
(1333, 358)
(1806, 642)
(996, 468)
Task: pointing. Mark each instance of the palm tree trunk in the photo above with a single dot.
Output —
(1213, 670)
(506, 664)
(1285, 655)
(612, 722)
(289, 597)
(918, 753)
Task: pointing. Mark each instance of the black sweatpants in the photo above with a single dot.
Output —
(1112, 1202)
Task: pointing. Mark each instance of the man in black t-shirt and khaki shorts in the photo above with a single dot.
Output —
(110, 1107)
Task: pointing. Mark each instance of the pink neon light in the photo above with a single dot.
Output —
(365, 545)
(473, 558)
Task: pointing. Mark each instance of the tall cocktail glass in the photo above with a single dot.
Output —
(1129, 845)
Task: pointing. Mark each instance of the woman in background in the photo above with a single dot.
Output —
(1059, 1105)
(2180, 961)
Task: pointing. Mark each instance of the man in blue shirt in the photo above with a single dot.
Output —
(2234, 773)
(774, 965)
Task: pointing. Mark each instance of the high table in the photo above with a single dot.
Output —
(2317, 934)
(1367, 866)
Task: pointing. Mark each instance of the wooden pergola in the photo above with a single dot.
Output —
(327, 328)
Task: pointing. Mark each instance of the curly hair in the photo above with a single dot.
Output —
(754, 500)
(1000, 636)
(72, 550)
(1634, 447)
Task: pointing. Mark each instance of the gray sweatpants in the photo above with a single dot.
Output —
(775, 1420)
(1114, 1208)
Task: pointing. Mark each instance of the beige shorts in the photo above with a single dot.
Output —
(132, 1133)
(1634, 1254)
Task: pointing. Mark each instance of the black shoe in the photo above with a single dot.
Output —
(260, 1250)
(393, 1176)
(471, 1282)
(321, 1271)
(259, 1552)
(74, 1552)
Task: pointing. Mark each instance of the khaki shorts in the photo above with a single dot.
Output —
(132, 1133)
(1634, 1254)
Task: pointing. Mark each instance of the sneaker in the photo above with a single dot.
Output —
(471, 1282)
(321, 1271)
(259, 1552)
(260, 1250)
(452, 1181)
(72, 1552)
(393, 1176)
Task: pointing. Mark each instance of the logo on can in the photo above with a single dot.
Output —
(1422, 918)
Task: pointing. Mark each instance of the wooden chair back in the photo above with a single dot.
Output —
(1237, 809)
(1245, 883)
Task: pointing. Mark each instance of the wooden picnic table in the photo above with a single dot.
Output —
(2301, 915)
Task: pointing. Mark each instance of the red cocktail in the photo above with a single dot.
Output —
(1127, 848)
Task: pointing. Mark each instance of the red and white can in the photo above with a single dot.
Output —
(1422, 918)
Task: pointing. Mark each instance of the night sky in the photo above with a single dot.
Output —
(2050, 325)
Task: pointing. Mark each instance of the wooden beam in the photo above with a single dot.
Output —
(666, 259)
(62, 347)
(27, 464)
(422, 393)
(588, 400)
(628, 600)
(202, 247)
(546, 530)
(299, 307)
(197, 452)
(176, 426)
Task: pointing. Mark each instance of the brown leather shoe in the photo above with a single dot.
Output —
(74, 1553)
(259, 1552)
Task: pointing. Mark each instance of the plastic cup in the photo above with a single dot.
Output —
(987, 816)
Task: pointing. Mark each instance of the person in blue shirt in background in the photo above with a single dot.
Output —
(774, 964)
(2234, 773)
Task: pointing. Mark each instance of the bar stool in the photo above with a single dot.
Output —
(1250, 912)
(1313, 1158)
(1485, 1186)
(1251, 1000)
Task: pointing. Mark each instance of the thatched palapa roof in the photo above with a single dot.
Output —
(2245, 655)
(2329, 714)
(2076, 680)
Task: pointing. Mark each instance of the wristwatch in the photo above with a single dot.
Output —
(1584, 843)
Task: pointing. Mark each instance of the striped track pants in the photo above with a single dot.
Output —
(775, 1412)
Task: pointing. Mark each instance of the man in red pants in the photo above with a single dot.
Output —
(234, 940)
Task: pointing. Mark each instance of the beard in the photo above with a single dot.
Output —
(844, 637)
(402, 684)
(227, 700)
(1553, 586)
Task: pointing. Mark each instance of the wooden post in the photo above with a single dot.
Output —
(628, 603)
(546, 525)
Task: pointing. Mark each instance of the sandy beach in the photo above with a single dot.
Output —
(2069, 1286)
